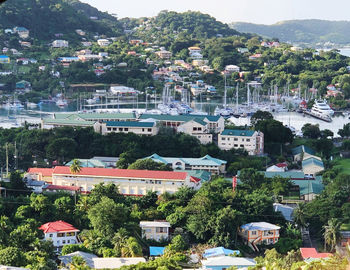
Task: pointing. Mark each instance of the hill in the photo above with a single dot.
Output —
(45, 18)
(301, 31)
(196, 23)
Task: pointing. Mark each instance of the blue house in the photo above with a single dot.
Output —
(225, 262)
(4, 59)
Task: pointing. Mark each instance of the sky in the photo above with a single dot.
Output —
(255, 11)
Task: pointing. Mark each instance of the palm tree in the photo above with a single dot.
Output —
(299, 215)
(75, 167)
(331, 233)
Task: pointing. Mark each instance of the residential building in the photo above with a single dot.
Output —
(243, 50)
(122, 90)
(59, 43)
(23, 86)
(232, 68)
(194, 50)
(21, 31)
(39, 174)
(130, 182)
(91, 163)
(197, 128)
(25, 44)
(219, 251)
(257, 233)
(60, 233)
(80, 32)
(249, 140)
(4, 59)
(155, 230)
(94, 262)
(200, 62)
(56, 188)
(86, 43)
(285, 210)
(139, 128)
(301, 152)
(163, 54)
(216, 124)
(36, 186)
(225, 262)
(311, 165)
(103, 42)
(206, 163)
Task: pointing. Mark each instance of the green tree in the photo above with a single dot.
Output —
(260, 116)
(149, 164)
(12, 256)
(107, 216)
(311, 131)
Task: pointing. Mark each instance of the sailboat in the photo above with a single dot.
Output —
(225, 111)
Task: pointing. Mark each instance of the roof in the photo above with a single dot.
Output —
(94, 163)
(236, 132)
(4, 56)
(130, 124)
(200, 121)
(312, 253)
(228, 261)
(122, 173)
(302, 149)
(261, 226)
(152, 224)
(113, 263)
(42, 171)
(180, 118)
(202, 175)
(67, 259)
(67, 122)
(202, 161)
(106, 159)
(214, 252)
(32, 183)
(57, 226)
(156, 251)
(65, 188)
(288, 174)
(312, 161)
(309, 186)
(285, 210)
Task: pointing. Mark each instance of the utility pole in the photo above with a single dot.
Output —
(7, 160)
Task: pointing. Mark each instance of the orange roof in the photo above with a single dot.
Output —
(57, 226)
(123, 173)
(313, 254)
(42, 171)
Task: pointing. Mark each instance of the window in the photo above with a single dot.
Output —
(242, 145)
(60, 235)
(126, 129)
(68, 241)
(149, 130)
(248, 140)
(236, 145)
(235, 139)
(50, 235)
(223, 138)
(120, 129)
(194, 128)
(143, 130)
(109, 129)
(161, 230)
(253, 232)
(63, 241)
(70, 234)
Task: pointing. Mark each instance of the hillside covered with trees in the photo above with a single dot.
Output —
(302, 31)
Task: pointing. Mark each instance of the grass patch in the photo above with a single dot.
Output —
(343, 165)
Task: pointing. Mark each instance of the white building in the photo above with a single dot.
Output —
(103, 42)
(163, 54)
(197, 128)
(139, 128)
(60, 233)
(232, 68)
(122, 90)
(59, 43)
(225, 262)
(155, 230)
(250, 140)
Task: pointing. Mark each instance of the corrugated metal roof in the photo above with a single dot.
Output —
(130, 124)
(236, 132)
(311, 161)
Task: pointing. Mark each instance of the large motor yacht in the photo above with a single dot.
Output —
(321, 108)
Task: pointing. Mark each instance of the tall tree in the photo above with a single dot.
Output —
(331, 233)
(75, 167)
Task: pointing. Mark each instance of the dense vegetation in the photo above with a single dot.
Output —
(300, 31)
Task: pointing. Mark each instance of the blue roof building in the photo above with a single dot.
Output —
(206, 163)
(156, 251)
(219, 251)
(4, 59)
(139, 128)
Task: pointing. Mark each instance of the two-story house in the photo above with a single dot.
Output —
(257, 233)
(139, 128)
(155, 230)
(60, 233)
(250, 140)
(197, 128)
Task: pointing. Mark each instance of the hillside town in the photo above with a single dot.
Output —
(168, 142)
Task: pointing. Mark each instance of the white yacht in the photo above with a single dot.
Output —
(321, 108)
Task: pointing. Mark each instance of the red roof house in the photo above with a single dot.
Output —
(57, 226)
(311, 253)
(40, 174)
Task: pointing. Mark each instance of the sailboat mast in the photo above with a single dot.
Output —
(225, 94)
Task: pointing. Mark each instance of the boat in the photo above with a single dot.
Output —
(321, 108)
(61, 103)
(318, 115)
(31, 105)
